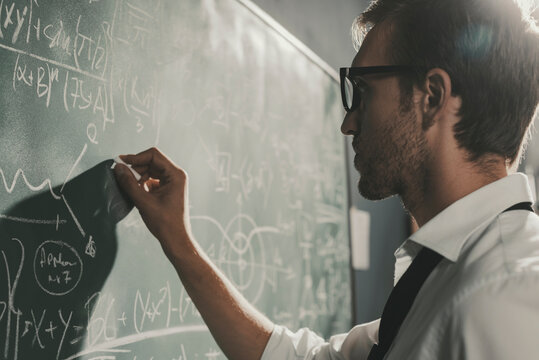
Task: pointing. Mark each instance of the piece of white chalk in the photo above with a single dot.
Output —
(117, 160)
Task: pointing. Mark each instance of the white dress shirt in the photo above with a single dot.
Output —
(480, 302)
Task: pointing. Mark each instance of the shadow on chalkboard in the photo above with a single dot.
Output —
(57, 250)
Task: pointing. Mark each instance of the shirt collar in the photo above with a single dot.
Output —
(447, 232)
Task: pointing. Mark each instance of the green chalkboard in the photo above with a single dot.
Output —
(238, 104)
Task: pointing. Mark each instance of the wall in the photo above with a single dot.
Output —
(324, 26)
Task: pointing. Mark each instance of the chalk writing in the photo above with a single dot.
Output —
(57, 267)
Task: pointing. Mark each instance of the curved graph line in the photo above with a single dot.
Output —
(224, 231)
(135, 338)
(256, 234)
(20, 172)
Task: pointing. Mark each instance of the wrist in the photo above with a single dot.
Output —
(177, 244)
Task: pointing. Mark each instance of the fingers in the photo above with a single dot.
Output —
(145, 177)
(154, 164)
(152, 184)
(152, 158)
(129, 184)
(141, 169)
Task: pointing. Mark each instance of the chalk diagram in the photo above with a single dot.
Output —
(241, 253)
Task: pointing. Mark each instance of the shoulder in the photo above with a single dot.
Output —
(497, 319)
(507, 245)
(503, 266)
(476, 307)
(519, 238)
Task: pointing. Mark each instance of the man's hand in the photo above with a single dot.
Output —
(160, 195)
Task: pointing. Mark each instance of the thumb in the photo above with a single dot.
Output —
(129, 184)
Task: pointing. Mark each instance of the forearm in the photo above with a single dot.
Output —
(239, 329)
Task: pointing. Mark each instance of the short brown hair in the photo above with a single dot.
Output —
(489, 48)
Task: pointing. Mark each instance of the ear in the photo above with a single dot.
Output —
(437, 94)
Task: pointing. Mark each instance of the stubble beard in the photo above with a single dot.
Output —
(396, 162)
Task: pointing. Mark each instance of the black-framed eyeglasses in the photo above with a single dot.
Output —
(351, 89)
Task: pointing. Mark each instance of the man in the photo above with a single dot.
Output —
(440, 121)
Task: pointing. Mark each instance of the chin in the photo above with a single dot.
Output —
(373, 190)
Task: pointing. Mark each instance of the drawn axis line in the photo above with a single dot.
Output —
(52, 62)
(33, 221)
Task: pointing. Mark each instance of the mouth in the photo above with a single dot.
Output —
(355, 144)
(356, 162)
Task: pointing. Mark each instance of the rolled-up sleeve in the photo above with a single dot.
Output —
(307, 345)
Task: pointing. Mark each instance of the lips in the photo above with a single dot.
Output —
(356, 161)
(355, 144)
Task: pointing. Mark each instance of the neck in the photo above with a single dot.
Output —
(446, 185)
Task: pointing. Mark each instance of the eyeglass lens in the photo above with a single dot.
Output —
(348, 92)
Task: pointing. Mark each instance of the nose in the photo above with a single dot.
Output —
(350, 123)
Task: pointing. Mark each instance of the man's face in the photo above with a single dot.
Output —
(392, 154)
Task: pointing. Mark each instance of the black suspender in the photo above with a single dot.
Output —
(401, 299)
(521, 206)
(404, 293)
